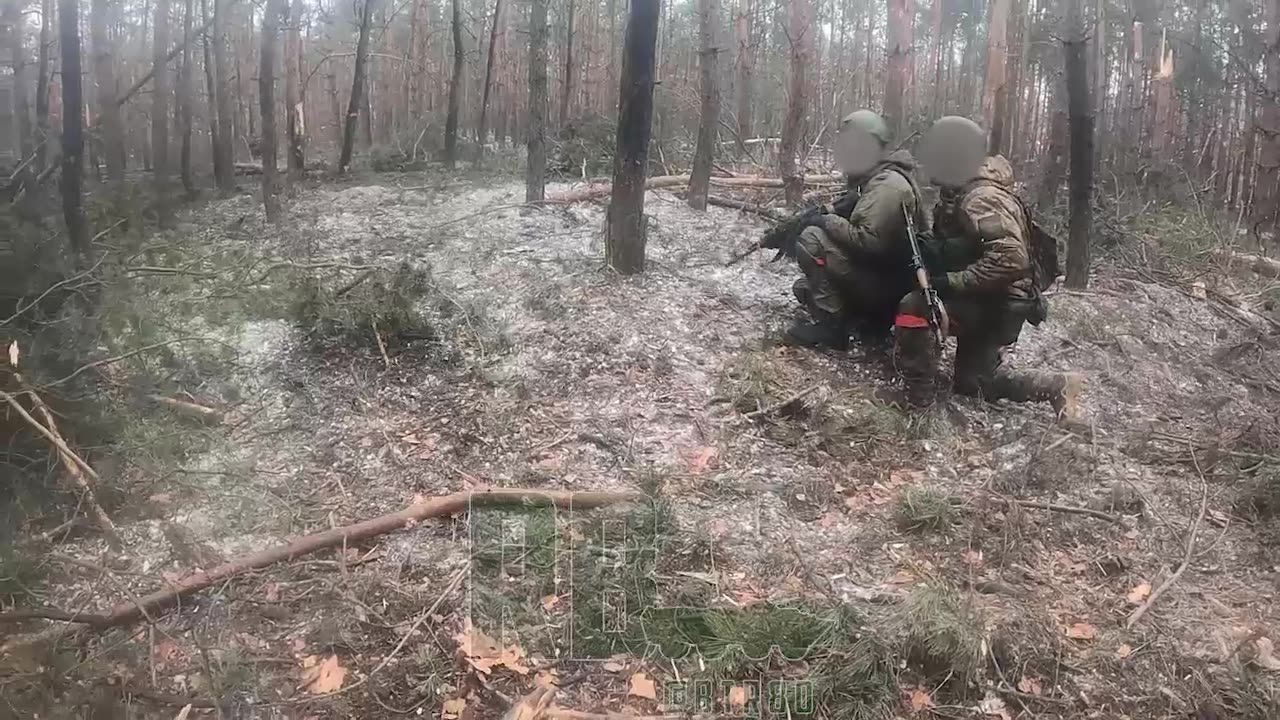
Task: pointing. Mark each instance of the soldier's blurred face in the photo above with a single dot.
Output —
(952, 155)
(857, 151)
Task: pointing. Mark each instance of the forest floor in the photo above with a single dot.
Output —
(830, 556)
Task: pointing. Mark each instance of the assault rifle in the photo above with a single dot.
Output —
(938, 319)
(783, 236)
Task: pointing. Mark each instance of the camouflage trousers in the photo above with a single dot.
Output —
(838, 288)
(982, 328)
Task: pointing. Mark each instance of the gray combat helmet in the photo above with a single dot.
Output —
(868, 122)
(953, 149)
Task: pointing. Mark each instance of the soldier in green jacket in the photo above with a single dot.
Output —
(855, 254)
(980, 264)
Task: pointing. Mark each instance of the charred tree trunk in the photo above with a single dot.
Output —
(535, 176)
(112, 128)
(1079, 100)
(294, 110)
(224, 168)
(160, 111)
(566, 95)
(625, 234)
(455, 90)
(994, 91)
(800, 35)
(267, 102)
(744, 70)
(185, 112)
(483, 130)
(899, 62)
(357, 88)
(72, 130)
(704, 155)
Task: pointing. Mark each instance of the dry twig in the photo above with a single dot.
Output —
(770, 409)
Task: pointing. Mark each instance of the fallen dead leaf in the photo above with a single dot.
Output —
(613, 667)
(546, 679)
(323, 677)
(973, 558)
(1266, 658)
(271, 592)
(453, 708)
(1030, 685)
(1139, 594)
(1124, 651)
(920, 700)
(1082, 631)
(827, 520)
(550, 601)
(484, 654)
(642, 686)
(701, 459)
(737, 697)
(994, 706)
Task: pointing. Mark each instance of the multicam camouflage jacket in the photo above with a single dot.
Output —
(981, 236)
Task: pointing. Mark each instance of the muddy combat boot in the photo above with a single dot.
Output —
(824, 332)
(1060, 390)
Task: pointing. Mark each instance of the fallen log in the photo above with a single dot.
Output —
(1257, 263)
(597, 191)
(765, 212)
(149, 605)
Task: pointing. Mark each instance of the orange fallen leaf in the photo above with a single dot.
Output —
(1082, 631)
(1030, 685)
(920, 700)
(453, 708)
(973, 558)
(643, 686)
(1124, 651)
(1139, 594)
(323, 677)
(550, 601)
(701, 459)
(484, 654)
(737, 697)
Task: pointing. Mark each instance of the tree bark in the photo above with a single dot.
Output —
(535, 177)
(224, 167)
(994, 92)
(482, 131)
(626, 232)
(1162, 137)
(455, 90)
(745, 70)
(184, 103)
(42, 95)
(935, 54)
(800, 32)
(899, 63)
(566, 95)
(211, 91)
(160, 111)
(1079, 99)
(267, 105)
(294, 111)
(72, 131)
(357, 88)
(14, 22)
(704, 155)
(1055, 164)
(1267, 192)
(112, 128)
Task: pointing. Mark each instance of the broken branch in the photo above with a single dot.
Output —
(190, 409)
(1186, 556)
(129, 612)
(770, 409)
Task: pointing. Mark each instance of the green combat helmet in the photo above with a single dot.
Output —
(869, 123)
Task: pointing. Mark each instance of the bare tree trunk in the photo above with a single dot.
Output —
(1079, 100)
(483, 130)
(42, 94)
(1055, 163)
(566, 94)
(1267, 193)
(455, 91)
(1137, 101)
(160, 111)
(12, 19)
(994, 87)
(211, 85)
(294, 111)
(626, 231)
(184, 103)
(72, 130)
(535, 177)
(224, 168)
(704, 155)
(267, 102)
(898, 68)
(357, 88)
(744, 70)
(112, 128)
(1099, 81)
(1162, 137)
(800, 32)
(935, 54)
